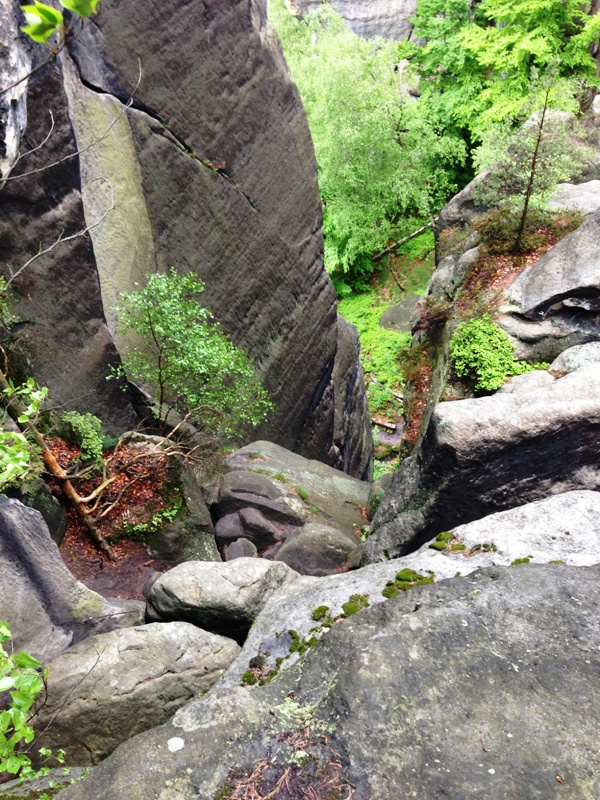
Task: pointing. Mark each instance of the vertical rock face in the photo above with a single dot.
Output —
(210, 169)
(387, 18)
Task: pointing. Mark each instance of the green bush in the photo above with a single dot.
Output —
(84, 431)
(481, 349)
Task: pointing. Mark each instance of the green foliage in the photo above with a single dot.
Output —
(481, 349)
(151, 520)
(187, 359)
(498, 228)
(24, 678)
(383, 168)
(44, 21)
(478, 59)
(19, 454)
(380, 347)
(84, 431)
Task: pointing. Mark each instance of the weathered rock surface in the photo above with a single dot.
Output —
(244, 489)
(334, 497)
(317, 549)
(241, 548)
(223, 597)
(489, 454)
(109, 687)
(576, 357)
(535, 379)
(38, 495)
(387, 18)
(584, 197)
(211, 169)
(564, 528)
(46, 607)
(456, 689)
(562, 292)
(400, 316)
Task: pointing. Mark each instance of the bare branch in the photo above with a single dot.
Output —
(35, 149)
(400, 242)
(63, 239)
(69, 156)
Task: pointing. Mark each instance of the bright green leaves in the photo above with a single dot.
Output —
(187, 359)
(24, 677)
(83, 8)
(17, 453)
(42, 21)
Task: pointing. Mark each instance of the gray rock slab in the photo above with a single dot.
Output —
(584, 197)
(336, 496)
(241, 548)
(575, 357)
(400, 316)
(527, 382)
(247, 489)
(241, 209)
(470, 688)
(387, 18)
(109, 687)
(317, 549)
(563, 528)
(46, 607)
(489, 454)
(451, 273)
(228, 529)
(223, 597)
(566, 277)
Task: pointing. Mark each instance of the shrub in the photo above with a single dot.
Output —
(85, 431)
(481, 349)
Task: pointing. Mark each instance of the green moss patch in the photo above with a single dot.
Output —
(406, 579)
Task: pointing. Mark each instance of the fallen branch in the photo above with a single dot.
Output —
(390, 248)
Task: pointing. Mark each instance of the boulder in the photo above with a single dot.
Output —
(450, 274)
(331, 497)
(484, 455)
(46, 607)
(576, 357)
(224, 597)
(317, 550)
(38, 495)
(527, 382)
(563, 528)
(400, 316)
(554, 304)
(387, 18)
(455, 689)
(109, 687)
(228, 529)
(584, 197)
(241, 490)
(258, 529)
(241, 548)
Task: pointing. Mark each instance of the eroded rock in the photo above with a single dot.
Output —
(223, 597)
(46, 607)
(317, 549)
(110, 687)
(454, 689)
(489, 454)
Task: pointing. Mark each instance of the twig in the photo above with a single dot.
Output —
(63, 239)
(87, 147)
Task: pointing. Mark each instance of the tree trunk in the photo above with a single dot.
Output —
(532, 172)
(15, 409)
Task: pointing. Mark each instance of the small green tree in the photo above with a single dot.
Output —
(186, 359)
(529, 161)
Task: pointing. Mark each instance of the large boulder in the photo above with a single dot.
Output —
(387, 18)
(109, 687)
(211, 168)
(470, 688)
(46, 607)
(330, 496)
(563, 528)
(317, 549)
(489, 454)
(223, 597)
(555, 303)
